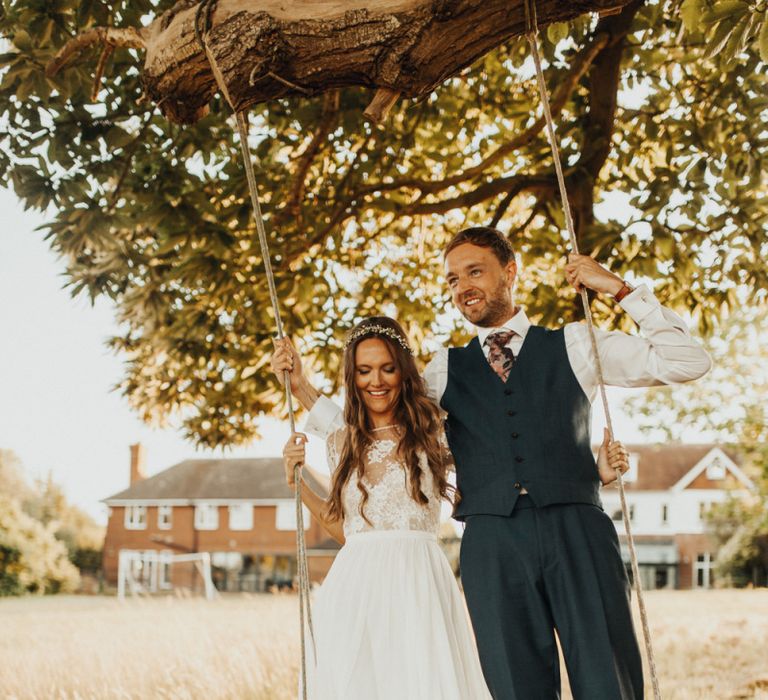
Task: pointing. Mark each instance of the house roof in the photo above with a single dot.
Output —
(660, 467)
(209, 479)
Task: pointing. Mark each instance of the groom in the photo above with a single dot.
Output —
(538, 553)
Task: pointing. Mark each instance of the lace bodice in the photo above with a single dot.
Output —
(390, 505)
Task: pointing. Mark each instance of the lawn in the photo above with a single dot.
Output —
(709, 644)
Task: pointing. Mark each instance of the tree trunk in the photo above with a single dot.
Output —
(266, 49)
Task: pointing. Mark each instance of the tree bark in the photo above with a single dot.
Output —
(266, 49)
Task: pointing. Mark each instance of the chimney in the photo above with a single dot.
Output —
(137, 463)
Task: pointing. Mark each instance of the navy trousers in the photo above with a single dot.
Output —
(543, 570)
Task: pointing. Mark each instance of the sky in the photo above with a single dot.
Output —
(58, 411)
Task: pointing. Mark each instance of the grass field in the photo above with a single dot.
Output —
(709, 644)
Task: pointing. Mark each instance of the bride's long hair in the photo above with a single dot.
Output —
(418, 417)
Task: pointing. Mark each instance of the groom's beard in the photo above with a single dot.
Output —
(498, 310)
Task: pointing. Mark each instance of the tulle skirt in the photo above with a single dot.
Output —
(390, 624)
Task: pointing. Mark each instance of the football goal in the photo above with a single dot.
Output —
(151, 572)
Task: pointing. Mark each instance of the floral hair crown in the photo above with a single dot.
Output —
(375, 329)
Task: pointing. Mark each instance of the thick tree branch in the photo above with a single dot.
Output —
(330, 111)
(514, 185)
(603, 82)
(128, 37)
(265, 49)
(562, 92)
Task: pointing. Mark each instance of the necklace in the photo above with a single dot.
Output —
(383, 427)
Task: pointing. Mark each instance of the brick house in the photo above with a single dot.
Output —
(239, 510)
(669, 489)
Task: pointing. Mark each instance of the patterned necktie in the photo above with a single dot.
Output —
(500, 357)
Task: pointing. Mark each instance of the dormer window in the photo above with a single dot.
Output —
(716, 469)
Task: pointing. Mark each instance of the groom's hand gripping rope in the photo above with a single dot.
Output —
(612, 456)
(583, 272)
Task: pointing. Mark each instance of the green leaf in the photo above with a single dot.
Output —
(557, 32)
(691, 11)
(763, 40)
(723, 10)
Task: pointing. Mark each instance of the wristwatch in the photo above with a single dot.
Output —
(625, 289)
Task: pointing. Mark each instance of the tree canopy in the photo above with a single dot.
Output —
(661, 106)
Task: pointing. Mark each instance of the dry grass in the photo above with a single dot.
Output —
(709, 644)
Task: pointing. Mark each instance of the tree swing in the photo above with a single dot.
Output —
(265, 82)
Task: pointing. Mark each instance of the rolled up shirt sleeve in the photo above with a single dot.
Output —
(324, 419)
(436, 375)
(664, 353)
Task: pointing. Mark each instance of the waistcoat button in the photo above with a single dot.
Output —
(518, 459)
(508, 392)
(515, 436)
(511, 413)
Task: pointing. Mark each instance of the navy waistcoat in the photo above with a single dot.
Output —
(532, 431)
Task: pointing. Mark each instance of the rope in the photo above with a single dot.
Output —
(202, 26)
(532, 33)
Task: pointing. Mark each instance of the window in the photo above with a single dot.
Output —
(164, 514)
(618, 514)
(661, 577)
(703, 570)
(206, 517)
(285, 518)
(716, 470)
(664, 516)
(703, 508)
(164, 575)
(135, 517)
(241, 517)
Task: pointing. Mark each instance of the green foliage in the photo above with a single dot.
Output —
(11, 570)
(156, 217)
(37, 527)
(37, 562)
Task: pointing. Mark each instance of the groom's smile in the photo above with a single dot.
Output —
(481, 287)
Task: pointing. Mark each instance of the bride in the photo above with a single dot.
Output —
(390, 622)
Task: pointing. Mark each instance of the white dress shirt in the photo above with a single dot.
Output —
(665, 353)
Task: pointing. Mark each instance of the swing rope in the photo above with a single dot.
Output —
(305, 607)
(202, 25)
(532, 34)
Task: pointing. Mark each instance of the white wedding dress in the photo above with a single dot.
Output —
(390, 622)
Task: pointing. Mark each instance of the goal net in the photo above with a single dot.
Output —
(152, 572)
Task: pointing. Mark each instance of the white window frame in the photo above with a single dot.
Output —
(164, 517)
(704, 563)
(206, 517)
(716, 470)
(285, 517)
(135, 517)
(164, 569)
(241, 516)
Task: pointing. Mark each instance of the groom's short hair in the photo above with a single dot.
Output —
(485, 237)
